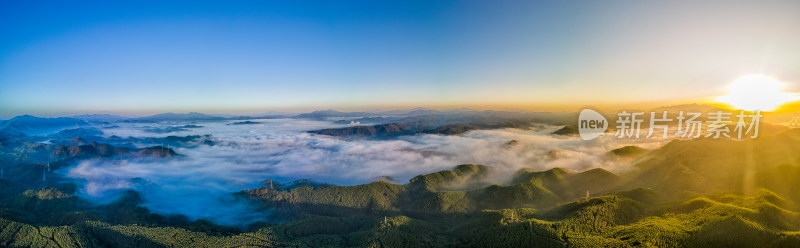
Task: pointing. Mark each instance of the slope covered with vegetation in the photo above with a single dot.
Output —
(689, 193)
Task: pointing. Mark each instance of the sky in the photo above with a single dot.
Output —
(145, 57)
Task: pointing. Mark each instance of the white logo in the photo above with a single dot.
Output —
(591, 124)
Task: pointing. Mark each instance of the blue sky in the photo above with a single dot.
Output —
(255, 56)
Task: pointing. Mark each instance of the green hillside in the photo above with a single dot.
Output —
(689, 193)
(709, 165)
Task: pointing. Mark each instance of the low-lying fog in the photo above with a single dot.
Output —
(199, 184)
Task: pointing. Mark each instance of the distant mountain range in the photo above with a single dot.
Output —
(192, 116)
(101, 117)
(447, 123)
(319, 114)
(35, 125)
(376, 123)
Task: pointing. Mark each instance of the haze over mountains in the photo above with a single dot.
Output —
(393, 178)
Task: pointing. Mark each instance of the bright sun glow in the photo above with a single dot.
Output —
(757, 92)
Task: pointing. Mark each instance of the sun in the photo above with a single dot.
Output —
(756, 92)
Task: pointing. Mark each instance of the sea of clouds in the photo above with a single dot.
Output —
(199, 184)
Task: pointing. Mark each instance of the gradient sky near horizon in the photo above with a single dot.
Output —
(257, 56)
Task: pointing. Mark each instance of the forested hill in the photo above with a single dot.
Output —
(689, 193)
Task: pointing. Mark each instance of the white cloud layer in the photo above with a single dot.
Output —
(199, 184)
